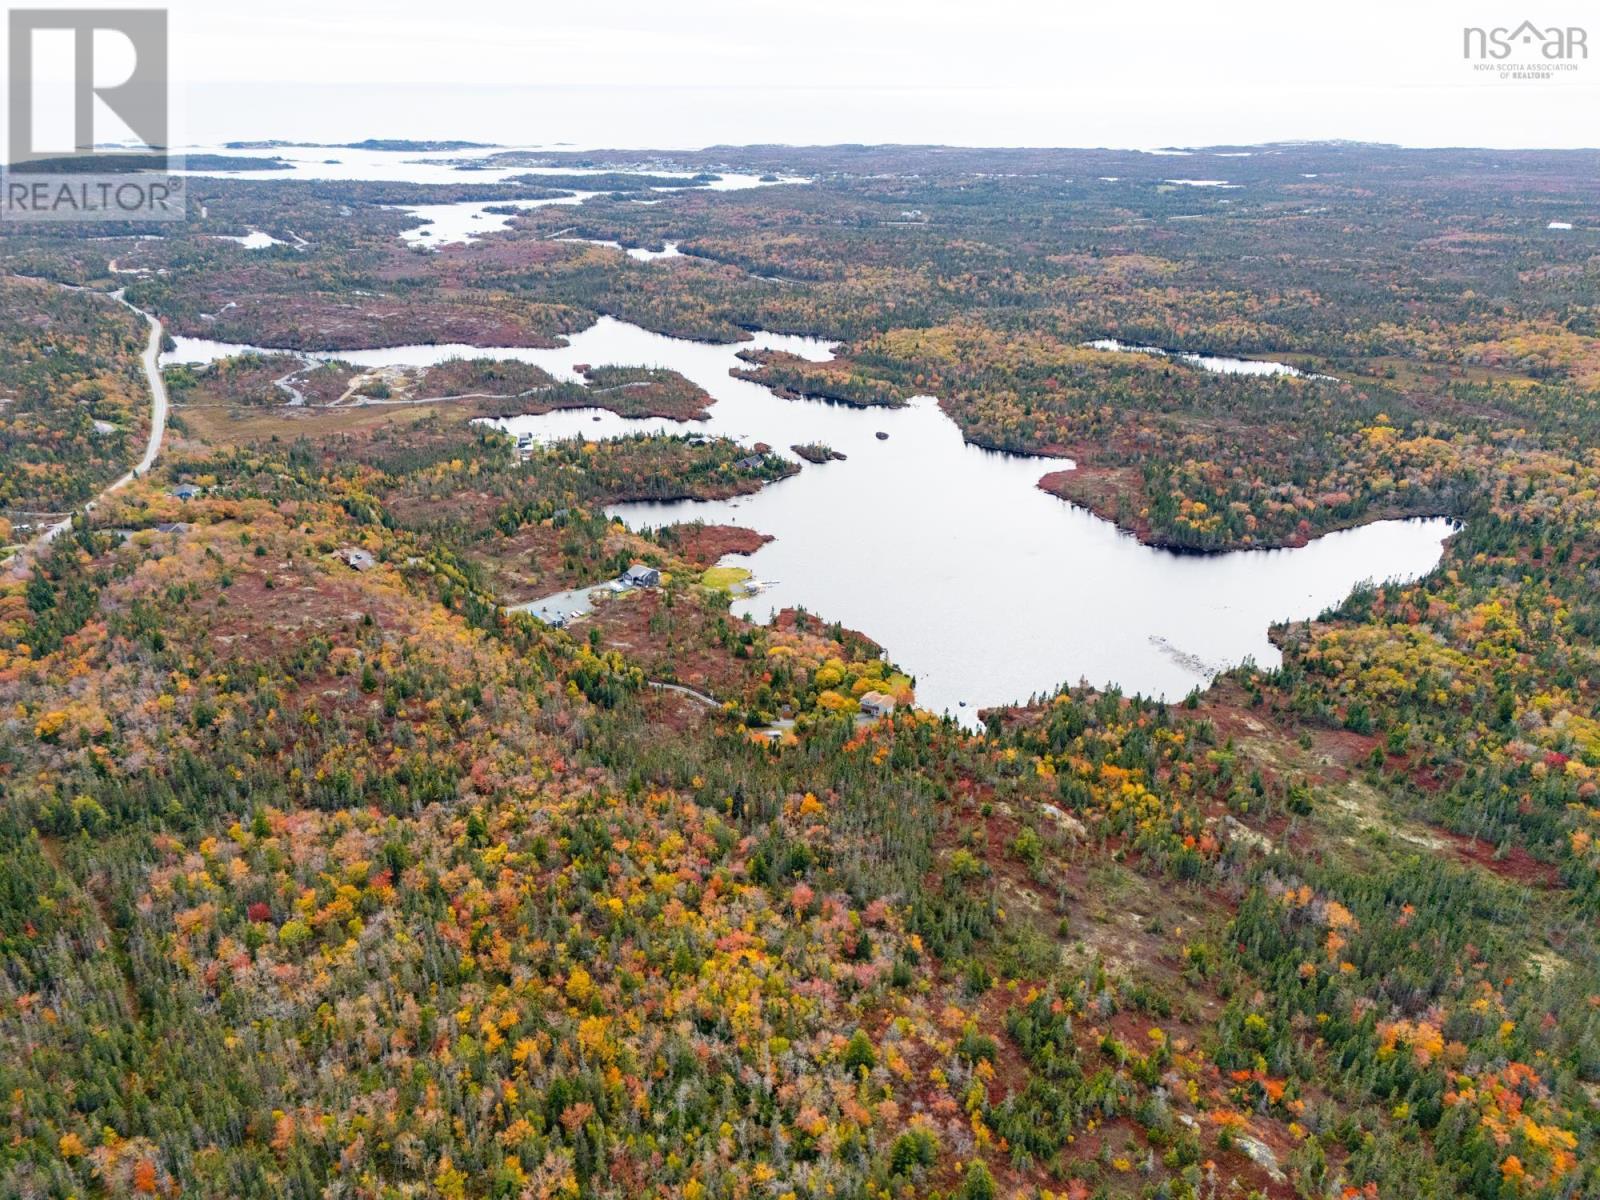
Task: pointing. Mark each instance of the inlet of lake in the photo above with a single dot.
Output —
(457, 222)
(983, 587)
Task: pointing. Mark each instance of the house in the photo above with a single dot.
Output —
(641, 576)
(876, 704)
(184, 491)
(173, 527)
(753, 462)
(355, 558)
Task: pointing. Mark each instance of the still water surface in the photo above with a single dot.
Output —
(975, 581)
(462, 221)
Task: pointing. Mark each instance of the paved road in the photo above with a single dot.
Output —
(708, 701)
(775, 729)
(158, 402)
(158, 430)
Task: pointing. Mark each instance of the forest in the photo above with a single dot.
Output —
(73, 406)
(327, 875)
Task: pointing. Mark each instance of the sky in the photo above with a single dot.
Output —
(687, 73)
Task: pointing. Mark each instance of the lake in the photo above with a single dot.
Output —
(1217, 364)
(985, 588)
(466, 221)
(463, 221)
(345, 163)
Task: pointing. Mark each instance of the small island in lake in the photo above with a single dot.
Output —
(817, 452)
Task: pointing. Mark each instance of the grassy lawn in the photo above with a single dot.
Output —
(725, 578)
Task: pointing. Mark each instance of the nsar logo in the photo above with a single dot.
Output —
(1556, 44)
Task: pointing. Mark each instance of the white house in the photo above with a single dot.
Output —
(877, 704)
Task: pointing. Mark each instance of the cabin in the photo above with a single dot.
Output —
(751, 463)
(877, 704)
(641, 576)
(173, 527)
(185, 492)
(355, 558)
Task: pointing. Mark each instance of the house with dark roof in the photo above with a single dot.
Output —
(641, 576)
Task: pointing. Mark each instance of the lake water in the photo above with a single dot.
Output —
(1215, 363)
(440, 166)
(459, 223)
(975, 581)
(639, 253)
(984, 587)
(254, 240)
(337, 163)
(465, 221)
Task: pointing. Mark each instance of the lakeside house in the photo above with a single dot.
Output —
(751, 462)
(641, 576)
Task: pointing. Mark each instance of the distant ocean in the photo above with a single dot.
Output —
(660, 117)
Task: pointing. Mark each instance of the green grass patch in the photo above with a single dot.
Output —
(725, 579)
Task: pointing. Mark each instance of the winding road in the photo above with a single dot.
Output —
(158, 401)
(708, 701)
(158, 430)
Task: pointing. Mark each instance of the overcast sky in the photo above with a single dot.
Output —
(691, 72)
